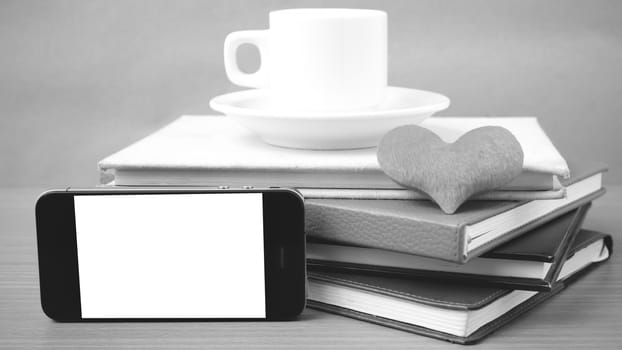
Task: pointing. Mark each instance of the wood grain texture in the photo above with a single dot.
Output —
(587, 314)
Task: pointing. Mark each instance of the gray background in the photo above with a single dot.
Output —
(82, 79)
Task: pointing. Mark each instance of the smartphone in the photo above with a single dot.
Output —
(171, 254)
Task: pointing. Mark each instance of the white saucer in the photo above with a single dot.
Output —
(255, 110)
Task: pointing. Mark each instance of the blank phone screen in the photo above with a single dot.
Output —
(171, 255)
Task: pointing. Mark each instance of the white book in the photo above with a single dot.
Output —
(216, 151)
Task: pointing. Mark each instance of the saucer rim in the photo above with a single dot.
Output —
(225, 104)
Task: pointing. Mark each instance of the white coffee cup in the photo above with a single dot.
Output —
(317, 59)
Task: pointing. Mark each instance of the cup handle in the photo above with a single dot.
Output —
(233, 41)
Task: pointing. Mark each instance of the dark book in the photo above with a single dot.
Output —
(456, 312)
(530, 262)
(418, 227)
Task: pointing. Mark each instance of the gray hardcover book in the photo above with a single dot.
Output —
(529, 262)
(449, 311)
(420, 228)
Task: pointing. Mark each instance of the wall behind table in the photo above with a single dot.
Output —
(82, 79)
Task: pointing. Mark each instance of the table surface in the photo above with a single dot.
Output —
(586, 314)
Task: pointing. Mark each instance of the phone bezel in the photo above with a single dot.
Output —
(284, 252)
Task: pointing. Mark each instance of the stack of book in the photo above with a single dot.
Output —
(385, 254)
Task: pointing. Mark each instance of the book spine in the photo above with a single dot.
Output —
(394, 233)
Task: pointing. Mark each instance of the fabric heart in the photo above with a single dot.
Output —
(480, 160)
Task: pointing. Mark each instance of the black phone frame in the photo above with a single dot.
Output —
(284, 252)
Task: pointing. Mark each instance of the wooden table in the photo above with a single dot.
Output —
(586, 315)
